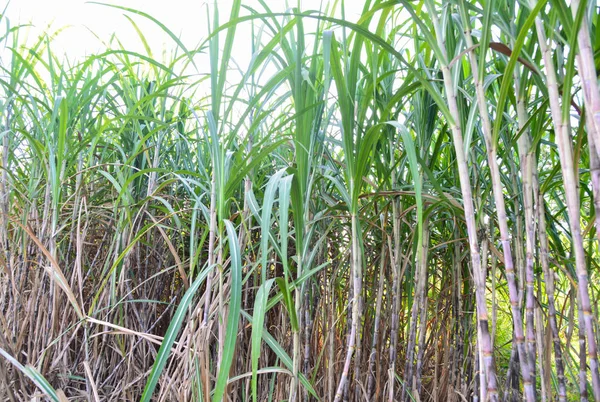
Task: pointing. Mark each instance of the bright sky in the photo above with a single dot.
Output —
(187, 18)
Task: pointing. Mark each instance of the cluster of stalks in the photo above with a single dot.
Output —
(401, 207)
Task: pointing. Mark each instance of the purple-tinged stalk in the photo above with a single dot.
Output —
(549, 279)
(423, 302)
(542, 349)
(587, 72)
(583, 392)
(356, 273)
(396, 296)
(526, 158)
(525, 363)
(569, 174)
(531, 187)
(376, 324)
(407, 388)
(469, 209)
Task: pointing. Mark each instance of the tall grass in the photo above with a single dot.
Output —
(397, 207)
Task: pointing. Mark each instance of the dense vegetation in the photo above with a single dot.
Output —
(399, 207)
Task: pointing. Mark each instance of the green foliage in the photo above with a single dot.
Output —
(191, 228)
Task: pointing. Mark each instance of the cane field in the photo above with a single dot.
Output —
(400, 204)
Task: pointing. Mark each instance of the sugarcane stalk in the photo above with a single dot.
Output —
(526, 158)
(376, 323)
(591, 99)
(498, 194)
(583, 382)
(589, 79)
(422, 263)
(356, 273)
(412, 334)
(396, 299)
(529, 170)
(461, 162)
(569, 174)
(212, 234)
(549, 277)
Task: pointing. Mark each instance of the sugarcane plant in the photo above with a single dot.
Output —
(396, 204)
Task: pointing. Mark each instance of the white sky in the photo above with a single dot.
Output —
(186, 18)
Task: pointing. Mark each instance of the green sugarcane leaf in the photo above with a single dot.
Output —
(235, 303)
(33, 375)
(260, 305)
